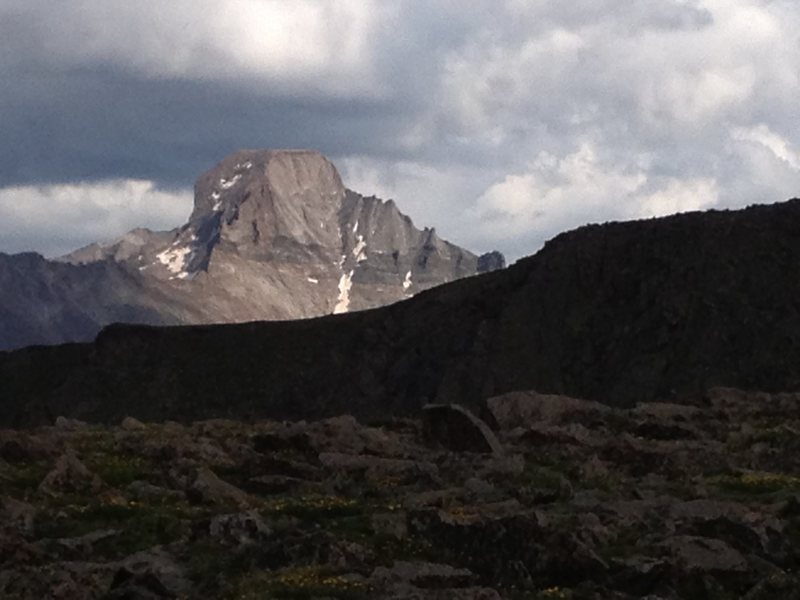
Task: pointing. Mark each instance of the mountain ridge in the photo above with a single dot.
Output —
(661, 309)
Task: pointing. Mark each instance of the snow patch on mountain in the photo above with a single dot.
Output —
(359, 250)
(174, 258)
(343, 301)
(226, 183)
(407, 283)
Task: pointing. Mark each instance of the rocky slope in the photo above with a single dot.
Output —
(617, 313)
(273, 235)
(566, 499)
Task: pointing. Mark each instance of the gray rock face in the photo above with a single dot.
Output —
(491, 261)
(274, 235)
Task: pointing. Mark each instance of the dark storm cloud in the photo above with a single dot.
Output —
(95, 124)
(499, 122)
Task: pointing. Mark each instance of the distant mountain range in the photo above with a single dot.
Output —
(661, 309)
(274, 235)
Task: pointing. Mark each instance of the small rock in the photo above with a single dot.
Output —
(132, 424)
(207, 487)
(79, 548)
(17, 515)
(435, 498)
(239, 528)
(281, 441)
(422, 575)
(343, 554)
(513, 464)
(281, 484)
(392, 524)
(376, 464)
(142, 490)
(481, 489)
(290, 468)
(67, 424)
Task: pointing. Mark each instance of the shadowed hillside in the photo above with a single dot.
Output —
(618, 313)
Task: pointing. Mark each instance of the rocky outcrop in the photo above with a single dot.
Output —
(378, 511)
(273, 235)
(491, 261)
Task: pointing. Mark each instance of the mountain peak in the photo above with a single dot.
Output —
(285, 172)
(274, 234)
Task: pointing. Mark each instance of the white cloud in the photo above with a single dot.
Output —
(61, 218)
(677, 196)
(313, 46)
(499, 122)
(563, 193)
(778, 145)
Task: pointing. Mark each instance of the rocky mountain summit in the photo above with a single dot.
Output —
(273, 235)
(560, 498)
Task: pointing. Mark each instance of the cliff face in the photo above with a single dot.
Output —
(619, 313)
(273, 235)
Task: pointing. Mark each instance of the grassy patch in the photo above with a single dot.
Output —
(140, 526)
(756, 483)
(119, 470)
(541, 484)
(22, 479)
(93, 440)
(388, 549)
(298, 583)
(314, 507)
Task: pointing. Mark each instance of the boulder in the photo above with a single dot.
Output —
(149, 575)
(457, 429)
(239, 528)
(17, 446)
(392, 524)
(17, 515)
(705, 555)
(67, 424)
(526, 409)
(70, 475)
(78, 548)
(207, 487)
(132, 424)
(281, 441)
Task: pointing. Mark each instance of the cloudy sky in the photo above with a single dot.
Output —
(499, 122)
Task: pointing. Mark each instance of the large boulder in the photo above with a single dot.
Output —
(149, 575)
(456, 428)
(526, 409)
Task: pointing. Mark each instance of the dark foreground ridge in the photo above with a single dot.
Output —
(617, 313)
